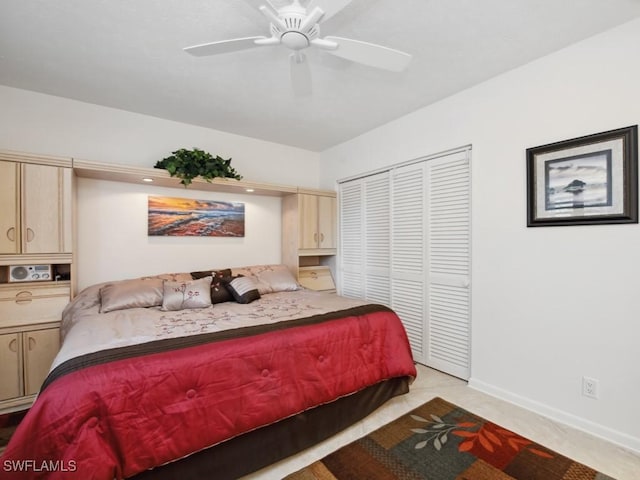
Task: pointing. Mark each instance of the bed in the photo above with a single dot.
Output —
(211, 374)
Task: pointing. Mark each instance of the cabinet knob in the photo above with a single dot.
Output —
(30, 235)
(315, 237)
(321, 237)
(32, 343)
(11, 234)
(13, 345)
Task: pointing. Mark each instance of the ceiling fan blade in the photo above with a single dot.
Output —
(329, 7)
(300, 75)
(224, 46)
(370, 54)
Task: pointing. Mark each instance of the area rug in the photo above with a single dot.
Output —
(441, 441)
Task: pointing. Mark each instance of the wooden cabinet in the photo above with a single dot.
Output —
(35, 228)
(28, 303)
(36, 213)
(25, 360)
(39, 348)
(30, 316)
(317, 221)
(309, 233)
(10, 366)
(10, 211)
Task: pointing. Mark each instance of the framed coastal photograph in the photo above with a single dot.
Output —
(186, 217)
(585, 180)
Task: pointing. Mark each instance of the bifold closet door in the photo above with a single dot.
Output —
(364, 238)
(448, 241)
(351, 260)
(375, 235)
(408, 252)
(405, 243)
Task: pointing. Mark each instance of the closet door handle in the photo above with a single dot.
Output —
(11, 234)
(30, 235)
(13, 345)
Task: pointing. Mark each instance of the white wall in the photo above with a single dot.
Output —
(37, 123)
(111, 221)
(113, 242)
(549, 304)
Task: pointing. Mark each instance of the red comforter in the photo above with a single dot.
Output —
(116, 419)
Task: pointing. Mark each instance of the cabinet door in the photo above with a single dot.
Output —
(46, 209)
(10, 366)
(308, 211)
(40, 348)
(327, 222)
(9, 213)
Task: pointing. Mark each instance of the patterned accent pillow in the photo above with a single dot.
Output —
(189, 294)
(243, 289)
(219, 292)
(134, 293)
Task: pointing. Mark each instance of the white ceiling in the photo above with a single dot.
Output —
(127, 54)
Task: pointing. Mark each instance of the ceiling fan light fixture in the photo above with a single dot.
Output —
(294, 40)
(297, 27)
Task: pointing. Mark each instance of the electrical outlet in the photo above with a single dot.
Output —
(590, 387)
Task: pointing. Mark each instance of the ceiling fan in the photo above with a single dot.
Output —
(298, 27)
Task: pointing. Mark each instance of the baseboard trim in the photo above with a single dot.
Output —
(619, 438)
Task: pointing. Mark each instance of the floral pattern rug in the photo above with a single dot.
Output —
(441, 441)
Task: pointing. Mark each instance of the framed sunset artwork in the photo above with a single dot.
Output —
(187, 217)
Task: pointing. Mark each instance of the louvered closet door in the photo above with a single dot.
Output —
(448, 260)
(376, 235)
(408, 252)
(351, 274)
(405, 242)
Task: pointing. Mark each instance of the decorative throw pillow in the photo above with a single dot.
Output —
(225, 272)
(279, 278)
(243, 289)
(189, 294)
(219, 292)
(131, 294)
(269, 278)
(250, 272)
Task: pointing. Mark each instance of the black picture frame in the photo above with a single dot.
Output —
(584, 181)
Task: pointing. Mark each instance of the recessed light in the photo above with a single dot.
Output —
(147, 179)
(250, 190)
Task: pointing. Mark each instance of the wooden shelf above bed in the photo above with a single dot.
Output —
(161, 178)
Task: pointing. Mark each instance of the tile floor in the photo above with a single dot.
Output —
(598, 454)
